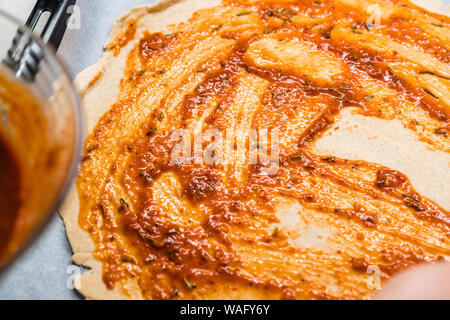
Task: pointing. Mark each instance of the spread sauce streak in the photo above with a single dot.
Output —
(198, 230)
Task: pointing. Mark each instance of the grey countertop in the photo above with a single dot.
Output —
(45, 270)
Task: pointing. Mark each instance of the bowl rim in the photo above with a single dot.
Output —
(70, 174)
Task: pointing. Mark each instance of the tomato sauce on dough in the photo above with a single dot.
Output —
(196, 230)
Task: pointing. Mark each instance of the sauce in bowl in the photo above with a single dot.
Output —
(10, 195)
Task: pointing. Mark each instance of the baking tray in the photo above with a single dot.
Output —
(45, 270)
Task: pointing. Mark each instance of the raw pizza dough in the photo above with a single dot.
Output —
(365, 140)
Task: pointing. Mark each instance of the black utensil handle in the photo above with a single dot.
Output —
(56, 25)
(25, 55)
